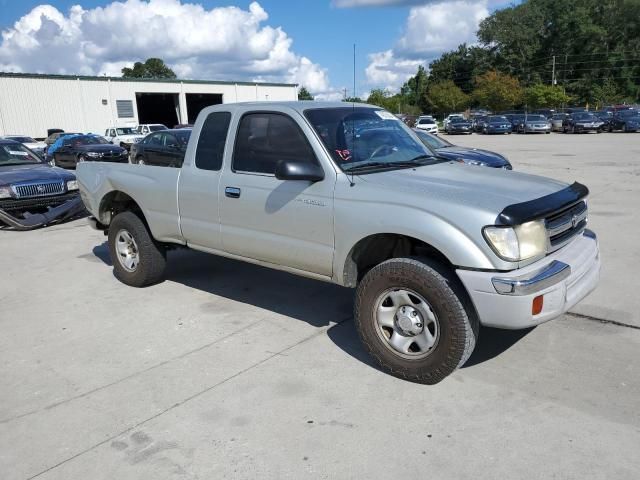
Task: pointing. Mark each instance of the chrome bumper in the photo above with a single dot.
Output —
(553, 273)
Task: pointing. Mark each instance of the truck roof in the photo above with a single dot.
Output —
(299, 105)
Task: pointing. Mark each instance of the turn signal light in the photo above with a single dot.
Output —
(536, 305)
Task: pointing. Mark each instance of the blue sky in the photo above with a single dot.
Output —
(306, 42)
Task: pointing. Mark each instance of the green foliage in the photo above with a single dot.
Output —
(303, 94)
(540, 95)
(353, 100)
(446, 97)
(497, 91)
(151, 68)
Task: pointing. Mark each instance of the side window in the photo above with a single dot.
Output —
(213, 136)
(266, 138)
(169, 140)
(155, 139)
(112, 133)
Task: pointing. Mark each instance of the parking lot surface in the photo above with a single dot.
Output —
(228, 370)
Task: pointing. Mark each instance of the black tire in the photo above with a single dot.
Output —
(152, 256)
(140, 160)
(457, 322)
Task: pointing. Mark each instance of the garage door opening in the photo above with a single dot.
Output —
(198, 101)
(158, 108)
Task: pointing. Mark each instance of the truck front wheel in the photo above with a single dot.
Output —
(415, 320)
(137, 258)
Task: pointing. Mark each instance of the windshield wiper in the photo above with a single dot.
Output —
(416, 161)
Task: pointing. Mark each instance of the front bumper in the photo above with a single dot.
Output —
(504, 300)
(534, 129)
(16, 214)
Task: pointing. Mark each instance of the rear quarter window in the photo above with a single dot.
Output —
(213, 135)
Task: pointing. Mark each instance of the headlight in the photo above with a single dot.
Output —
(72, 185)
(518, 243)
(474, 162)
(5, 192)
(93, 154)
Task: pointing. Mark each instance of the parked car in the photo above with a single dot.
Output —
(472, 156)
(434, 248)
(82, 148)
(625, 120)
(448, 118)
(147, 128)
(477, 122)
(123, 136)
(30, 143)
(605, 117)
(165, 148)
(496, 124)
(458, 125)
(556, 121)
(427, 124)
(582, 122)
(534, 123)
(32, 192)
(516, 120)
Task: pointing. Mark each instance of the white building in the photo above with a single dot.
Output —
(32, 103)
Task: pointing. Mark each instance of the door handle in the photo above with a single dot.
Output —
(232, 192)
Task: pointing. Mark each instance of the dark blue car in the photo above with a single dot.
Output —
(496, 124)
(472, 156)
(32, 192)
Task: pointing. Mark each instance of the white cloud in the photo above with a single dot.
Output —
(429, 31)
(219, 43)
(376, 3)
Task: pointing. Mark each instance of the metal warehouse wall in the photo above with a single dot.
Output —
(30, 104)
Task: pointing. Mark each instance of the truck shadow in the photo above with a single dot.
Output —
(317, 303)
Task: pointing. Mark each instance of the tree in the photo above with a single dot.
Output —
(446, 97)
(497, 91)
(540, 95)
(151, 68)
(303, 94)
(352, 100)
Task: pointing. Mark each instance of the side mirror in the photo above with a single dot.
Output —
(299, 171)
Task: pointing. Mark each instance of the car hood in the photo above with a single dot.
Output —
(490, 158)
(37, 172)
(457, 184)
(101, 148)
(460, 124)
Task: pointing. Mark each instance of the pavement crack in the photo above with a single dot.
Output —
(602, 320)
(191, 397)
(128, 377)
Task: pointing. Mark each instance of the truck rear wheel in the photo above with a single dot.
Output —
(137, 258)
(414, 318)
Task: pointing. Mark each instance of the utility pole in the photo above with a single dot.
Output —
(344, 91)
(553, 72)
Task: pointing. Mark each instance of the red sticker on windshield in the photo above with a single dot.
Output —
(345, 155)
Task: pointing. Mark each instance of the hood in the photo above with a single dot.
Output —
(456, 184)
(33, 173)
(492, 159)
(101, 148)
(130, 137)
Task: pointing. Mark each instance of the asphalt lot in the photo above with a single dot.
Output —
(228, 370)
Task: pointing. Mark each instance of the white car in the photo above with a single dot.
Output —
(33, 145)
(428, 124)
(147, 128)
(449, 117)
(123, 136)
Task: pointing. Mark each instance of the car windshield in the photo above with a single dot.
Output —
(458, 120)
(432, 141)
(85, 140)
(156, 128)
(498, 119)
(125, 131)
(628, 113)
(182, 136)
(426, 121)
(584, 116)
(536, 118)
(360, 137)
(16, 154)
(22, 139)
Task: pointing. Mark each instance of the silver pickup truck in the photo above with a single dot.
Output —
(346, 193)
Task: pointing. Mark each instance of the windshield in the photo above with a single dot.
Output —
(458, 120)
(358, 136)
(628, 113)
(22, 139)
(16, 154)
(536, 118)
(431, 140)
(498, 119)
(155, 128)
(125, 131)
(584, 116)
(426, 121)
(85, 140)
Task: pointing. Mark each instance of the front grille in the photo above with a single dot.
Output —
(28, 204)
(34, 190)
(566, 224)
